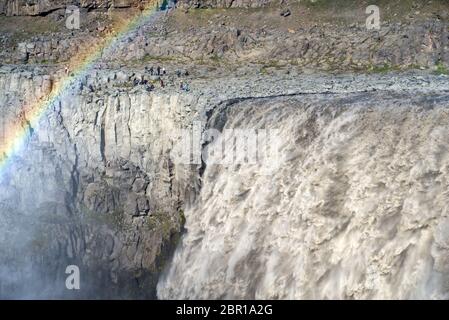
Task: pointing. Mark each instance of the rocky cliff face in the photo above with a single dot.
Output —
(100, 189)
(42, 7)
(415, 44)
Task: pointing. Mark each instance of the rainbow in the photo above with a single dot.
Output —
(17, 132)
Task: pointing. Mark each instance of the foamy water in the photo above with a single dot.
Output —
(357, 209)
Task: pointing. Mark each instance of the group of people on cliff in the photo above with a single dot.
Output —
(158, 71)
(163, 78)
(156, 75)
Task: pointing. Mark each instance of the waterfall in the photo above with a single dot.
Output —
(357, 207)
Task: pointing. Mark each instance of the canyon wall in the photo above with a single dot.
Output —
(43, 7)
(422, 44)
(93, 184)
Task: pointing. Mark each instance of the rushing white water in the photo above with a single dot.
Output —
(358, 209)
